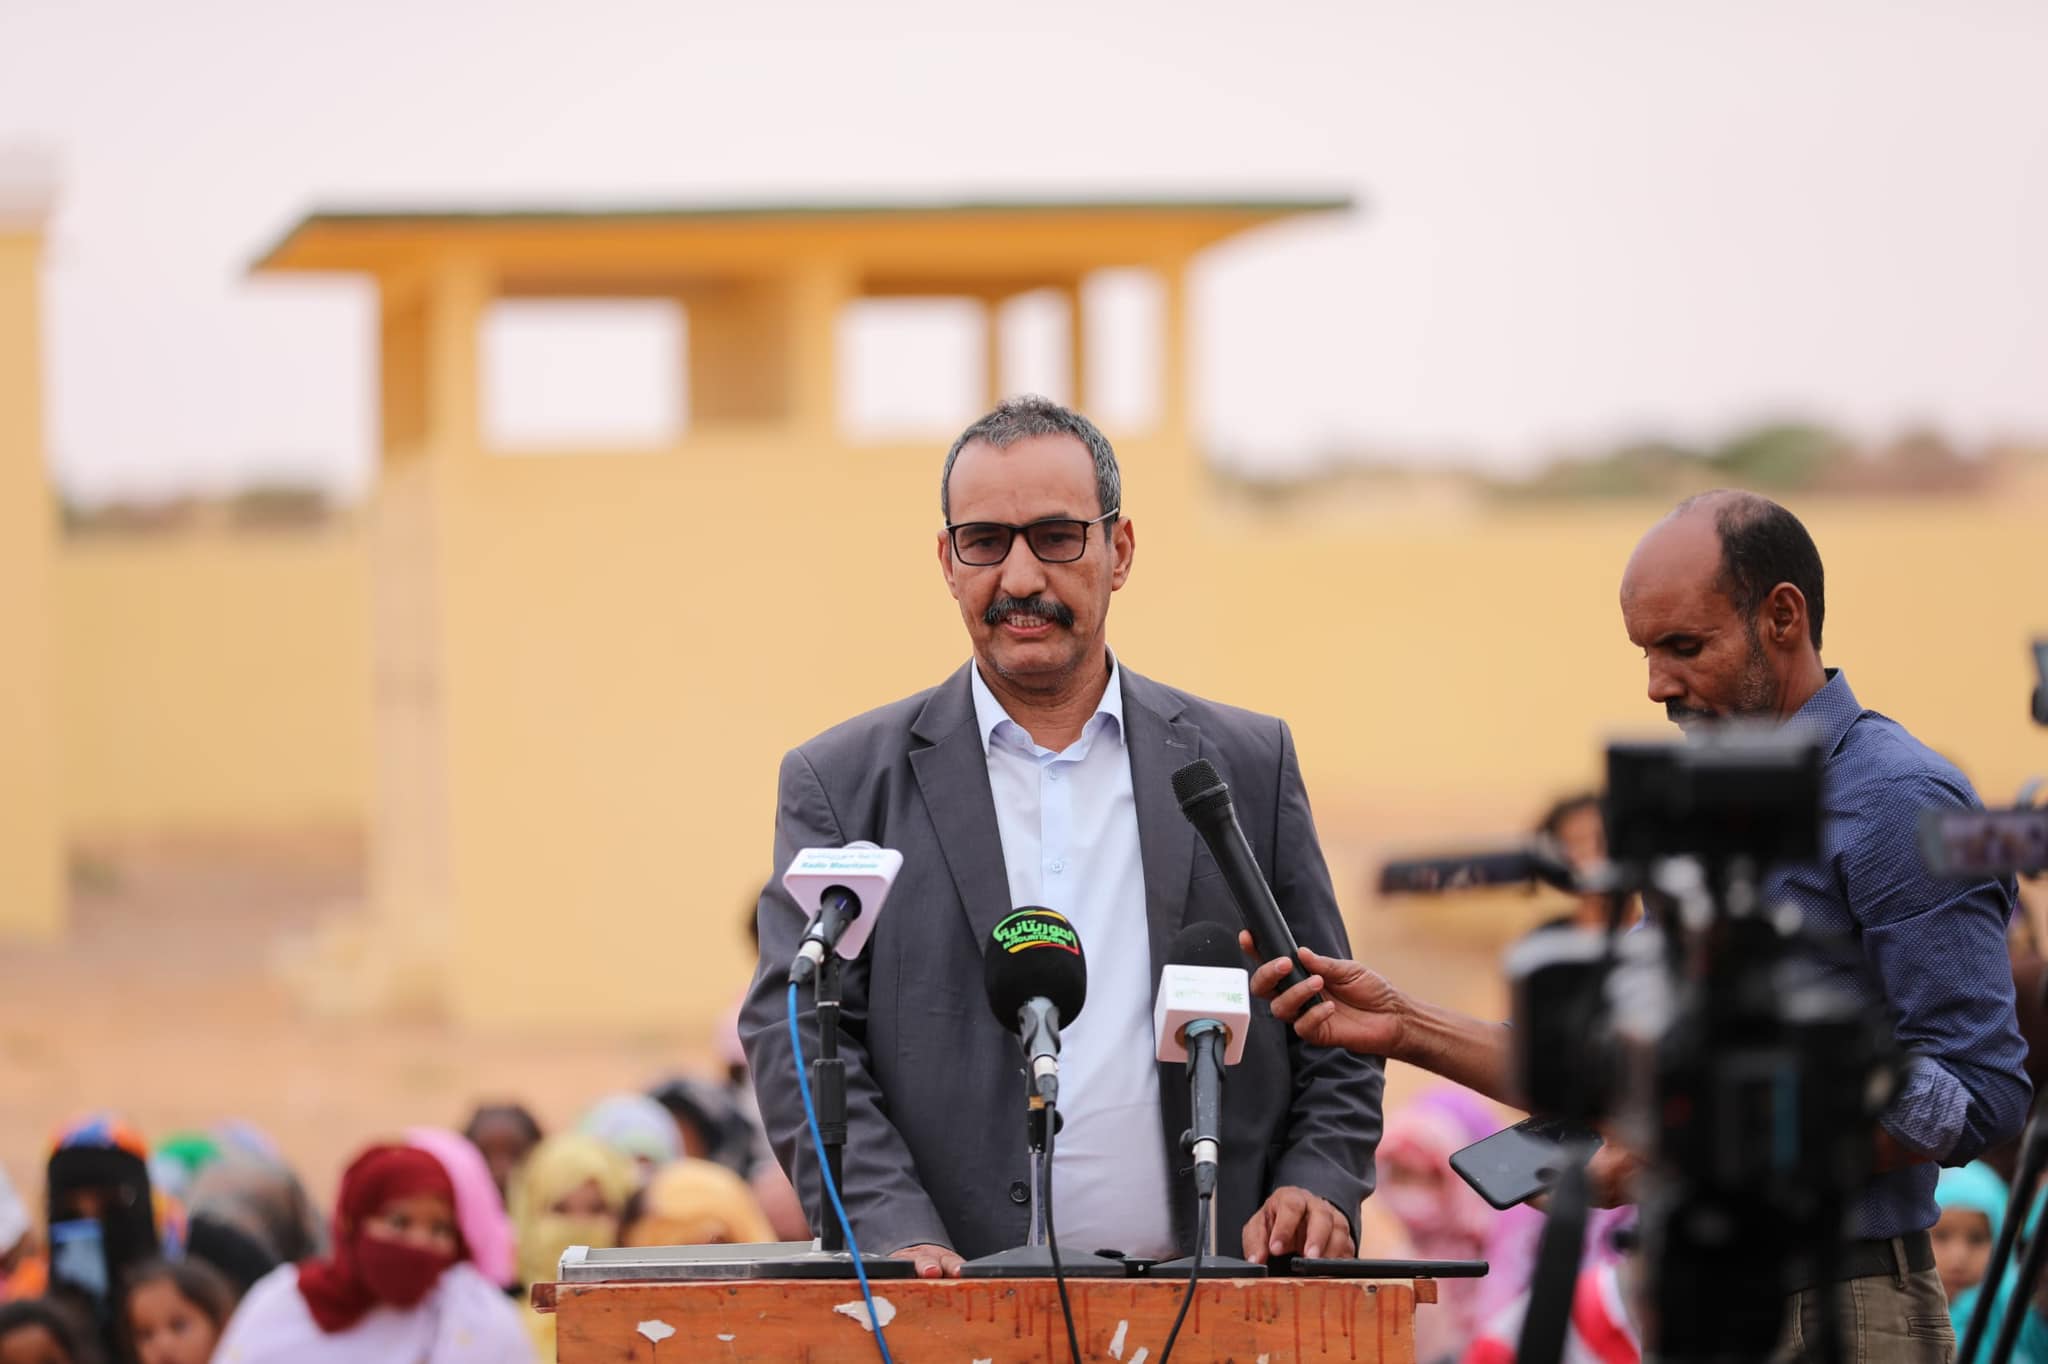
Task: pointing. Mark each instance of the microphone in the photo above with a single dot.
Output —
(1037, 981)
(842, 890)
(1514, 867)
(1205, 800)
(1200, 1016)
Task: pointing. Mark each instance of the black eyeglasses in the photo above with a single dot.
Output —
(1055, 540)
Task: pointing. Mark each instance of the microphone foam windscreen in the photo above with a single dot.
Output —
(1196, 779)
(1032, 953)
(1206, 944)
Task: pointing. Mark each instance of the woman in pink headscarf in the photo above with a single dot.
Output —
(479, 1207)
(1442, 1218)
(1438, 1214)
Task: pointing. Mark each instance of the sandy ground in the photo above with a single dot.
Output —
(165, 1007)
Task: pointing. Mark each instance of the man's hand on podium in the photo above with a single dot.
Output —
(933, 1262)
(1297, 1222)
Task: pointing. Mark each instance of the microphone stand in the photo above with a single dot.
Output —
(1205, 1043)
(825, 1257)
(1033, 1259)
(828, 1089)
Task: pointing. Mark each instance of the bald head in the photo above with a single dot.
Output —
(1724, 597)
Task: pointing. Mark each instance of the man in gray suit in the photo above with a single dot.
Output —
(1040, 774)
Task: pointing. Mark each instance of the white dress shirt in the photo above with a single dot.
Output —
(1069, 826)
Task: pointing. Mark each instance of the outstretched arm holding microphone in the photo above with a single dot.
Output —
(1362, 1011)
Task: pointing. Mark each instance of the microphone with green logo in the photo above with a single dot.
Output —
(1037, 981)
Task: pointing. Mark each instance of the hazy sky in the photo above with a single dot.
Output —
(1585, 220)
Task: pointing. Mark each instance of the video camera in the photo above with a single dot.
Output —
(1973, 844)
(1731, 1050)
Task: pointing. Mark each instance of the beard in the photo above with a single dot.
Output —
(1756, 693)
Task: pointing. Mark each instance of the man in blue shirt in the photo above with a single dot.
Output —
(1725, 599)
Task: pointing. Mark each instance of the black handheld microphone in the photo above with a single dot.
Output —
(1205, 800)
(1037, 981)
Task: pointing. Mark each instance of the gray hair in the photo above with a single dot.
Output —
(1028, 415)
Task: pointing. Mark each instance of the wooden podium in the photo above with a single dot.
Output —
(986, 1321)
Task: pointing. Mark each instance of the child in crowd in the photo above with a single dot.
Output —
(1972, 1200)
(45, 1331)
(506, 1133)
(397, 1285)
(175, 1311)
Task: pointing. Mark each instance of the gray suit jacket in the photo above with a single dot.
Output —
(936, 1147)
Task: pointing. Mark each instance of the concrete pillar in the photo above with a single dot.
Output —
(991, 350)
(31, 845)
(1077, 349)
(819, 292)
(1174, 348)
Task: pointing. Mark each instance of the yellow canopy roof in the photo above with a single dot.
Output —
(907, 246)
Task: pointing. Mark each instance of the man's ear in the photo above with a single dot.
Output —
(1785, 615)
(946, 563)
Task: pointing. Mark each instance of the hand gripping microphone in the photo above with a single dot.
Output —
(1200, 1017)
(1205, 800)
(842, 890)
(1037, 981)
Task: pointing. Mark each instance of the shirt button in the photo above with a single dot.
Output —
(1020, 1192)
(1058, 867)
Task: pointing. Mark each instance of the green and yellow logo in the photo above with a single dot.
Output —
(1029, 928)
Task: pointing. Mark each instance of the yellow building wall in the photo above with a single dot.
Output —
(31, 904)
(212, 680)
(633, 641)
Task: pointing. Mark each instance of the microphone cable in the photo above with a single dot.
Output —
(1052, 1240)
(803, 1084)
(1204, 1212)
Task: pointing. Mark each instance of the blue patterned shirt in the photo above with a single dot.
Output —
(1937, 945)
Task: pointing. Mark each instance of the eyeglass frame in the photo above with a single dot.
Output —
(953, 529)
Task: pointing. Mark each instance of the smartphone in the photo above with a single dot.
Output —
(78, 1259)
(1517, 1163)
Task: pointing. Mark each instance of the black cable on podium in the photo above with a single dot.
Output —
(1204, 1213)
(1050, 1115)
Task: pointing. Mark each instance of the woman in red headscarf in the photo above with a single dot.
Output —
(398, 1285)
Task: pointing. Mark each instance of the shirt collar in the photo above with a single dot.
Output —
(989, 715)
(1829, 712)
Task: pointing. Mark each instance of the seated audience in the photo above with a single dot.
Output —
(572, 1191)
(397, 1284)
(695, 1203)
(506, 1133)
(636, 1127)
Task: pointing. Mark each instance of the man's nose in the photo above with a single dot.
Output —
(1664, 684)
(1023, 574)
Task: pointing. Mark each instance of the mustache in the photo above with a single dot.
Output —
(1678, 714)
(1027, 606)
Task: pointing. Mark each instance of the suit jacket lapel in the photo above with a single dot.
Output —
(953, 775)
(1160, 741)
